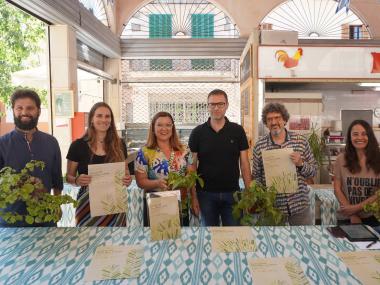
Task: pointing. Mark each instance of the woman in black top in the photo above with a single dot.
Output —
(100, 144)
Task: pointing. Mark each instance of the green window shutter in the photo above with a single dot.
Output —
(160, 64)
(160, 26)
(202, 64)
(202, 26)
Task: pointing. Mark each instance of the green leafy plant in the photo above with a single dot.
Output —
(177, 181)
(374, 207)
(255, 206)
(22, 187)
(19, 46)
(317, 144)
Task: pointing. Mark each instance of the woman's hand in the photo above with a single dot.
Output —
(83, 180)
(162, 184)
(355, 219)
(127, 180)
(349, 210)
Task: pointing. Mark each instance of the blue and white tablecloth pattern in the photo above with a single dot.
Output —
(61, 255)
(329, 206)
(135, 209)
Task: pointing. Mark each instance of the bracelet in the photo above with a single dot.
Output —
(75, 181)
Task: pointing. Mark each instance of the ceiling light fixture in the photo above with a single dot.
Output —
(370, 84)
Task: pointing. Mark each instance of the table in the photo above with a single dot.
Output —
(61, 255)
(325, 203)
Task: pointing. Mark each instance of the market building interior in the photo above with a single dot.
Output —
(142, 57)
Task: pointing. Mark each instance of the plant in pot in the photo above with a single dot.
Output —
(184, 182)
(21, 186)
(374, 207)
(255, 206)
(317, 146)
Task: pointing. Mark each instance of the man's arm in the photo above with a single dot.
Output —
(245, 168)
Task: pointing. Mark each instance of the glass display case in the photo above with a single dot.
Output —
(332, 150)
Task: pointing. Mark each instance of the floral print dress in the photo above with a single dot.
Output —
(156, 165)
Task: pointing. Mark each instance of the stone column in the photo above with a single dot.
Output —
(63, 71)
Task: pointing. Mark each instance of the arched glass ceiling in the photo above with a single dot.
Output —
(96, 7)
(316, 19)
(180, 19)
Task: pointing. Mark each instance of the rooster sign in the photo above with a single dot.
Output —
(287, 61)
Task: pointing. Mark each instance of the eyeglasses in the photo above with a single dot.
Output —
(214, 105)
(164, 126)
(276, 118)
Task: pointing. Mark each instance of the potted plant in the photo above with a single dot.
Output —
(317, 146)
(374, 207)
(255, 206)
(184, 182)
(23, 187)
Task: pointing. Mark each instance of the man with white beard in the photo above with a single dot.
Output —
(295, 206)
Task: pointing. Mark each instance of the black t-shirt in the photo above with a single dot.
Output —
(218, 155)
(80, 152)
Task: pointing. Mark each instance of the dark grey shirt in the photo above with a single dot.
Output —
(15, 151)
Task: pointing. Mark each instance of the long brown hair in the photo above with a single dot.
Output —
(112, 142)
(372, 151)
(152, 139)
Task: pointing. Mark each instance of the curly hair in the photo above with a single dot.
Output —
(112, 142)
(25, 93)
(372, 151)
(174, 141)
(274, 108)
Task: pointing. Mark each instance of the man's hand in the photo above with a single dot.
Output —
(296, 158)
(39, 187)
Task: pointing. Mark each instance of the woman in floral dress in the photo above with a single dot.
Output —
(163, 153)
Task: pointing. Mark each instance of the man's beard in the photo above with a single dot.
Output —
(276, 133)
(26, 126)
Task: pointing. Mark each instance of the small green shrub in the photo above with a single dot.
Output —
(41, 206)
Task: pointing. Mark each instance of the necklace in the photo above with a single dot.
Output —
(171, 159)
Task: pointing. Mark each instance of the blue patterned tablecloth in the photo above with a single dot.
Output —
(329, 205)
(61, 255)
